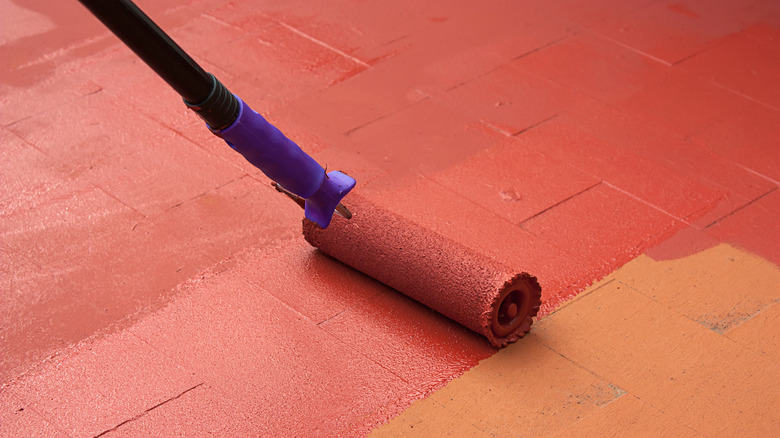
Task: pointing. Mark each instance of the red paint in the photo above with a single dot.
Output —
(27, 174)
(715, 185)
(761, 29)
(16, 416)
(754, 227)
(588, 13)
(210, 221)
(161, 162)
(59, 89)
(307, 281)
(515, 181)
(412, 141)
(65, 27)
(113, 194)
(102, 262)
(682, 9)
(611, 227)
(594, 66)
(271, 367)
(418, 345)
(749, 139)
(529, 101)
(684, 104)
(369, 24)
(450, 278)
(281, 62)
(118, 376)
(351, 104)
(435, 207)
(475, 41)
(648, 178)
(676, 31)
(686, 242)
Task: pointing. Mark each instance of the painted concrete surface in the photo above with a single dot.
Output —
(155, 284)
(673, 347)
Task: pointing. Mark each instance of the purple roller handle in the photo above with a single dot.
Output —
(263, 145)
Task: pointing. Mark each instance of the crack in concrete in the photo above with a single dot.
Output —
(115, 428)
(740, 208)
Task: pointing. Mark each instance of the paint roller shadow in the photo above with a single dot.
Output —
(382, 313)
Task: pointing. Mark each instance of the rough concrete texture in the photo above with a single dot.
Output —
(564, 138)
(633, 355)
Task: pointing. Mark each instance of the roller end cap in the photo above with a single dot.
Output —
(320, 206)
(514, 310)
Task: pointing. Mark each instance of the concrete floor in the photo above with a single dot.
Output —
(155, 284)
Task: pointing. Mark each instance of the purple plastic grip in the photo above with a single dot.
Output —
(263, 145)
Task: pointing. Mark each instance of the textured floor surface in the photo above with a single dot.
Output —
(154, 284)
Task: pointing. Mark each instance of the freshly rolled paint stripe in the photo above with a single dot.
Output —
(456, 281)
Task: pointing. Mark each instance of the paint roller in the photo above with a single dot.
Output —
(458, 282)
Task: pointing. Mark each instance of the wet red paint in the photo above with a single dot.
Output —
(594, 66)
(530, 101)
(411, 141)
(612, 227)
(491, 179)
(673, 31)
(755, 227)
(671, 191)
(684, 104)
(684, 243)
(698, 181)
(554, 137)
(272, 367)
(433, 206)
(748, 139)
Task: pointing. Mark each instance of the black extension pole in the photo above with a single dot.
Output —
(201, 91)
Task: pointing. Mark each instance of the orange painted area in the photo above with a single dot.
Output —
(681, 347)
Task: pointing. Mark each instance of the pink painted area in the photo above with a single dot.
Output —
(16, 416)
(558, 138)
(26, 173)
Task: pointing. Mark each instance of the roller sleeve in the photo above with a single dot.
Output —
(456, 281)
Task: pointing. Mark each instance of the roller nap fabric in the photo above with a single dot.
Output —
(456, 281)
